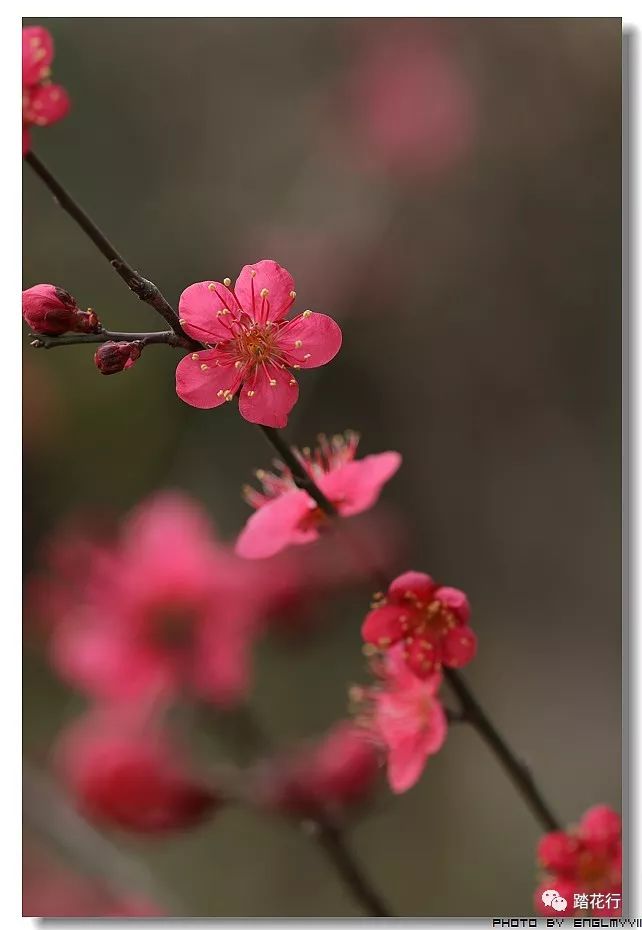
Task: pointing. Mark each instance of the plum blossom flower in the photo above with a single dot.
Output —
(43, 103)
(585, 863)
(431, 621)
(333, 773)
(287, 515)
(163, 608)
(405, 716)
(123, 769)
(251, 346)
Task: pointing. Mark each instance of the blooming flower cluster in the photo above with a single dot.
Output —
(43, 103)
(250, 345)
(584, 866)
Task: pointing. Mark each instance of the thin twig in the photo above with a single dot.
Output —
(146, 290)
(167, 337)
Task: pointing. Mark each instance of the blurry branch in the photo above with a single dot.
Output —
(48, 814)
(144, 289)
(168, 337)
(249, 738)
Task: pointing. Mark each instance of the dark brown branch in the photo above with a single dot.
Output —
(167, 337)
(515, 769)
(145, 290)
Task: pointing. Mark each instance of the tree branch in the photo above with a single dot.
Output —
(168, 337)
(145, 290)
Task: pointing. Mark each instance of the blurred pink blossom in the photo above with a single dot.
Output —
(411, 106)
(123, 769)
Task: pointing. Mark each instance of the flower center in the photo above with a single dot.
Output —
(432, 620)
(173, 628)
(256, 344)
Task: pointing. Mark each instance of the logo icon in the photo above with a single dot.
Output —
(552, 898)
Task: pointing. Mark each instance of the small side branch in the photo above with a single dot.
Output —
(167, 337)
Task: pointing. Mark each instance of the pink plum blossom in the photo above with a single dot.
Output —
(113, 357)
(164, 608)
(585, 860)
(286, 515)
(407, 718)
(51, 311)
(43, 103)
(124, 769)
(432, 622)
(250, 345)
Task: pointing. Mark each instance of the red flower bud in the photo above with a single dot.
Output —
(113, 357)
(338, 771)
(127, 774)
(51, 310)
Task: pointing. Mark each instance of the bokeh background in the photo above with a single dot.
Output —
(449, 190)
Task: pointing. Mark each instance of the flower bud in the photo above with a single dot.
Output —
(130, 775)
(338, 771)
(113, 357)
(51, 311)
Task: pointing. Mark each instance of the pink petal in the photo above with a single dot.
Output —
(382, 626)
(413, 584)
(456, 601)
(459, 646)
(203, 387)
(279, 284)
(276, 525)
(357, 485)
(200, 310)
(310, 341)
(47, 104)
(406, 762)
(268, 396)
(37, 54)
(107, 665)
(222, 657)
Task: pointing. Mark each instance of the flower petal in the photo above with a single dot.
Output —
(266, 274)
(357, 485)
(459, 646)
(268, 396)
(222, 656)
(202, 377)
(382, 625)
(37, 54)
(206, 310)
(455, 601)
(415, 585)
(45, 105)
(276, 525)
(310, 341)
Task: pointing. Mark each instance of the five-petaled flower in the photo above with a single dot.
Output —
(430, 621)
(584, 864)
(405, 716)
(251, 346)
(42, 102)
(287, 515)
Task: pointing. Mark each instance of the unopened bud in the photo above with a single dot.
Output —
(51, 311)
(113, 357)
